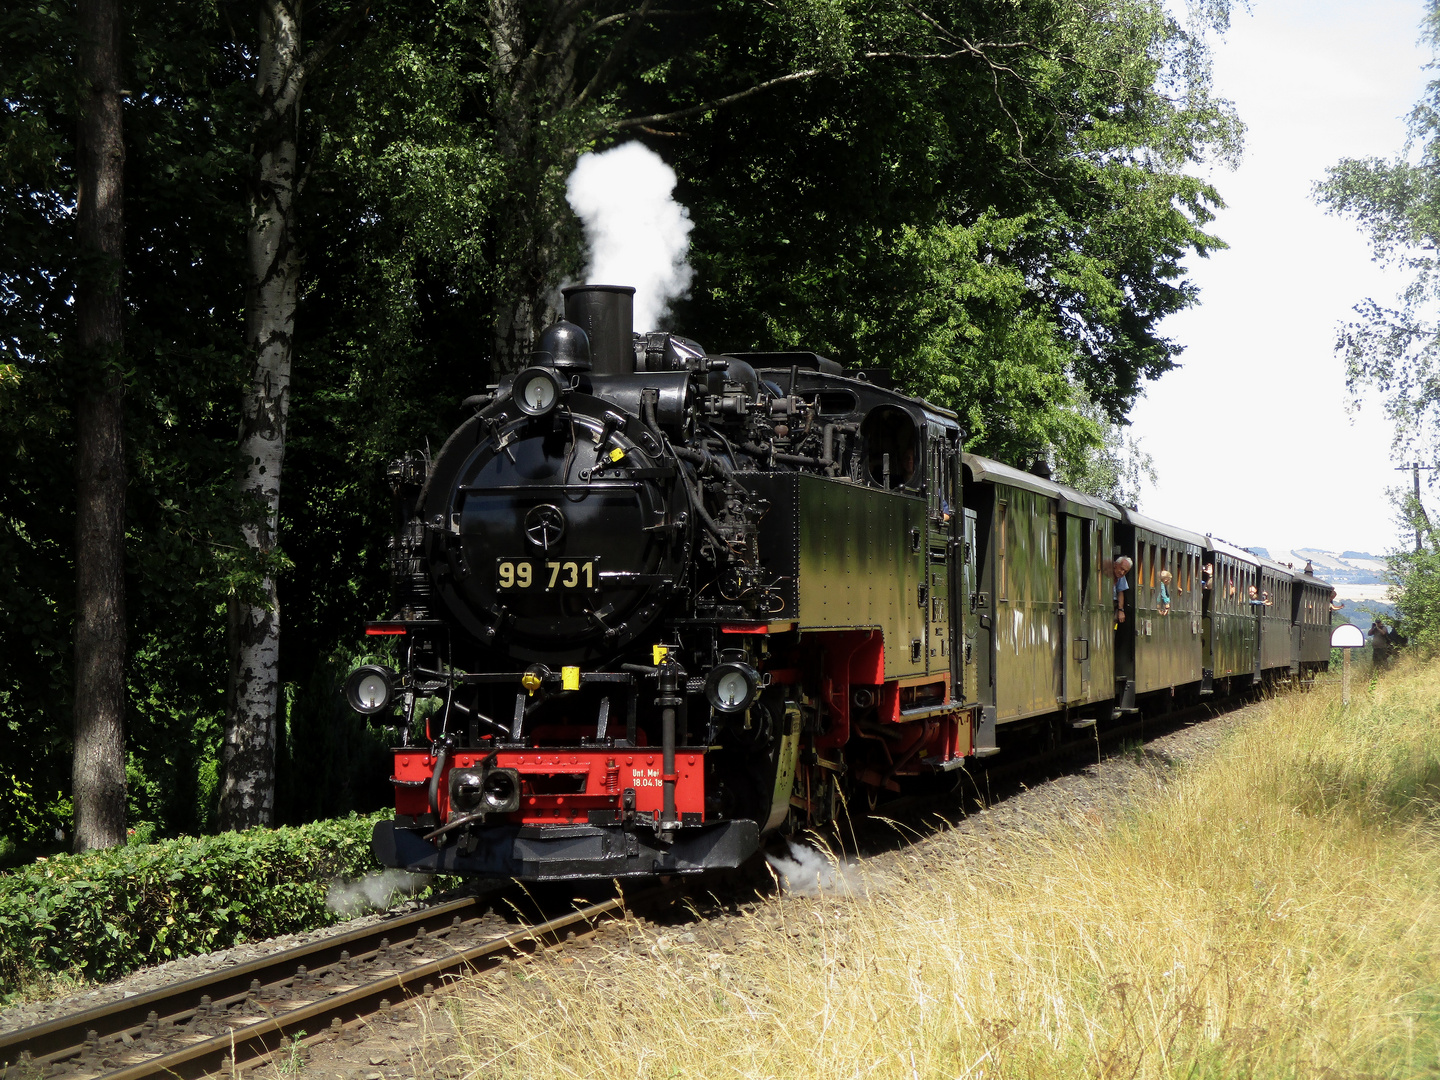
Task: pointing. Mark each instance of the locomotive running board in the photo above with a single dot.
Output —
(570, 852)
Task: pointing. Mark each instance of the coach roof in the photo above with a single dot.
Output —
(1220, 547)
(1073, 502)
(1143, 522)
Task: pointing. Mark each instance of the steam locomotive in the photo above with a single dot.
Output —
(654, 604)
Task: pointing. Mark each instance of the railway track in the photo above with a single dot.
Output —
(235, 1018)
(231, 1019)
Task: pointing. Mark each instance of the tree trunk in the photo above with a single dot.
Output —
(247, 796)
(98, 776)
(532, 69)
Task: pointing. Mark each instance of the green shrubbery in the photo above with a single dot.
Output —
(104, 913)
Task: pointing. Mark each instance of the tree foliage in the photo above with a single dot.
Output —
(1394, 346)
(991, 200)
(1414, 577)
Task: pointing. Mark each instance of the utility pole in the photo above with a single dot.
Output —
(1415, 468)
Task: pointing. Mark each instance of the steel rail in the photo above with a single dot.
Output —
(245, 1044)
(71, 1036)
(66, 1036)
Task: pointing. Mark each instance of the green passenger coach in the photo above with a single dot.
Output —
(1044, 607)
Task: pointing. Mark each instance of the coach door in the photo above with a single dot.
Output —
(944, 509)
(964, 661)
(1076, 540)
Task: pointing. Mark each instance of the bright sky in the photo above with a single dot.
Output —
(1251, 437)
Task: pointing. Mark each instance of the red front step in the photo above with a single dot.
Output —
(606, 774)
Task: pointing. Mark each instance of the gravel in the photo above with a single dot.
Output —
(415, 1037)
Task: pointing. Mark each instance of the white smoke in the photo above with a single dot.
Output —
(638, 234)
(808, 872)
(373, 892)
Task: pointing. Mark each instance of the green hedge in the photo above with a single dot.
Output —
(99, 915)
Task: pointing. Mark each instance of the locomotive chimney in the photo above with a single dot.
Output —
(607, 315)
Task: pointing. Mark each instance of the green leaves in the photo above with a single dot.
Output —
(1395, 347)
(1415, 576)
(108, 912)
(990, 200)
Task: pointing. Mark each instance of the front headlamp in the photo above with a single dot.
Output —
(490, 790)
(368, 689)
(536, 390)
(500, 793)
(732, 687)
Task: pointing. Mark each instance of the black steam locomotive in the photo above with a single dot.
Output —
(654, 604)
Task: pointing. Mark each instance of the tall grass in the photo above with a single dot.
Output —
(1271, 912)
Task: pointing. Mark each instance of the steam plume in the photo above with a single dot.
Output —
(373, 892)
(638, 234)
(808, 872)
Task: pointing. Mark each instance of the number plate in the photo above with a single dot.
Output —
(546, 575)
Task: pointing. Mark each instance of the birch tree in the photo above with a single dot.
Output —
(273, 262)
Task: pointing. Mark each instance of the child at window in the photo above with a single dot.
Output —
(1165, 578)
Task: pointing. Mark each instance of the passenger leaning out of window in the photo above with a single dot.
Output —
(1120, 569)
(1164, 600)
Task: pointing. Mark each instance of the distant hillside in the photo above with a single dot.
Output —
(1338, 568)
(1358, 577)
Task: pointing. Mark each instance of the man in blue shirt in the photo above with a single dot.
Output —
(1120, 569)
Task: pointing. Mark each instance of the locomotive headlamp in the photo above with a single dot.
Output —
(500, 794)
(536, 390)
(732, 687)
(490, 791)
(466, 789)
(368, 689)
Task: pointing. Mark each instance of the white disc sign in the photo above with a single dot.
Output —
(1347, 636)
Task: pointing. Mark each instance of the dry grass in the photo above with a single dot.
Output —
(1272, 912)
